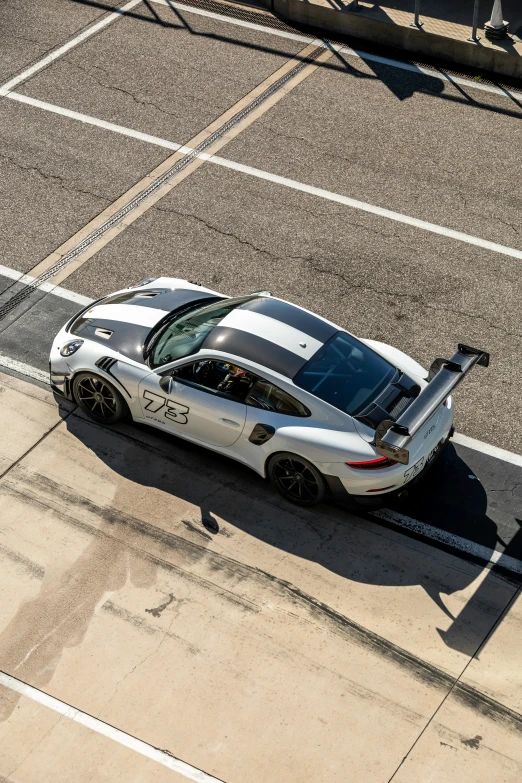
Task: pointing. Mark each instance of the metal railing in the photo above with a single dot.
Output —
(495, 29)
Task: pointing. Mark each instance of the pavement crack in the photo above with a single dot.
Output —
(20, 763)
(483, 217)
(417, 298)
(18, 37)
(129, 93)
(166, 635)
(220, 231)
(52, 178)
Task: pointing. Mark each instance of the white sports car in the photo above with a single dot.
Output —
(286, 392)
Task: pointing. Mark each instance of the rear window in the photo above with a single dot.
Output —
(346, 373)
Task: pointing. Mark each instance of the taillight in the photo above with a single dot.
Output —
(372, 464)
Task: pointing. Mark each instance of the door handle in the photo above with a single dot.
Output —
(229, 421)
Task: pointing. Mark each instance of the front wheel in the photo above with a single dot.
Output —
(296, 479)
(98, 398)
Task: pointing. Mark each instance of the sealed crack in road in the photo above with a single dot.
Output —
(151, 190)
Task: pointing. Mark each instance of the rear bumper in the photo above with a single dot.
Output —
(339, 492)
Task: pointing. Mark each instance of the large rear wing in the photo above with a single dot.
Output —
(392, 437)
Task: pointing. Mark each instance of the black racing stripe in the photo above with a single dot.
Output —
(292, 316)
(249, 346)
(164, 300)
(127, 339)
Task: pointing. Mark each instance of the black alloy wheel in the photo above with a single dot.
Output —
(297, 479)
(98, 399)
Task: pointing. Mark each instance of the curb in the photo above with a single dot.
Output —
(411, 39)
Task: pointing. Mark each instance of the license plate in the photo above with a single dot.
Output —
(422, 463)
(413, 471)
(433, 453)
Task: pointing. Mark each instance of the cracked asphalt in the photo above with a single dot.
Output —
(173, 595)
(411, 143)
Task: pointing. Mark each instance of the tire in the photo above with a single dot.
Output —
(98, 398)
(308, 487)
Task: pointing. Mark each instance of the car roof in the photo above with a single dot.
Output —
(271, 332)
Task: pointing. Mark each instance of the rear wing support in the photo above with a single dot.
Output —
(392, 437)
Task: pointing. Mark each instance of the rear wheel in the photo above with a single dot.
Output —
(98, 398)
(296, 479)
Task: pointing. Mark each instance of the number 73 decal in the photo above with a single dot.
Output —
(173, 410)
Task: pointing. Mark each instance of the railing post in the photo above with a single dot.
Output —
(416, 22)
(473, 37)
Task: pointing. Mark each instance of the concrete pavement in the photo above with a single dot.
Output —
(173, 595)
(122, 600)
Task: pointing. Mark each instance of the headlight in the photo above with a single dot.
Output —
(145, 281)
(70, 348)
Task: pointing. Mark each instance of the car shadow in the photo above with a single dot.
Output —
(329, 535)
(230, 498)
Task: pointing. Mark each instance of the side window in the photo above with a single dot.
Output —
(269, 397)
(221, 378)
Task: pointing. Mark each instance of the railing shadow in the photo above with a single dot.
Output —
(403, 84)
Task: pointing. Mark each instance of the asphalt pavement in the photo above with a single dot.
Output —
(384, 199)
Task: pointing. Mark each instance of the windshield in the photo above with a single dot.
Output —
(185, 335)
(346, 374)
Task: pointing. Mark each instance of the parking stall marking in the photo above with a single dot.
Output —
(242, 168)
(491, 557)
(163, 757)
(400, 521)
(487, 448)
(64, 293)
(417, 69)
(6, 88)
(147, 192)
(24, 369)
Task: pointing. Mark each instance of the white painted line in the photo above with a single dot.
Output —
(447, 77)
(24, 369)
(346, 50)
(491, 557)
(371, 208)
(285, 182)
(163, 757)
(486, 448)
(238, 22)
(88, 120)
(13, 274)
(92, 30)
(49, 288)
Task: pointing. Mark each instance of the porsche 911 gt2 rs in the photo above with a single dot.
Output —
(293, 396)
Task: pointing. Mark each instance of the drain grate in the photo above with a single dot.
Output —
(237, 12)
(178, 167)
(266, 19)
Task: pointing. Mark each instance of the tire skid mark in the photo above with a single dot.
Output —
(54, 496)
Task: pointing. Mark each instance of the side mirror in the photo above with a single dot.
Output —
(165, 383)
